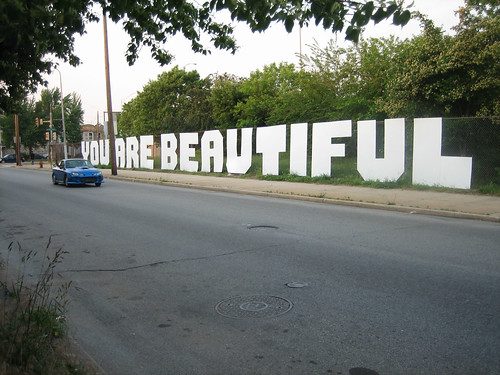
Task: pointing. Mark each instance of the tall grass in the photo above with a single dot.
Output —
(33, 312)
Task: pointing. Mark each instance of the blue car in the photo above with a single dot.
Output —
(10, 158)
(76, 172)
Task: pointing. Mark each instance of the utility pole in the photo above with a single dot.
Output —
(51, 149)
(111, 128)
(65, 147)
(18, 146)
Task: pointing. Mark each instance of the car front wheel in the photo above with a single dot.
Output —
(65, 182)
(54, 181)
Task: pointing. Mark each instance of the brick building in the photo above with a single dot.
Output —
(92, 132)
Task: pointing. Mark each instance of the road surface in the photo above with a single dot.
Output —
(182, 281)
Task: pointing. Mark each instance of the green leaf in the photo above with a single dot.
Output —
(368, 8)
(391, 9)
(352, 33)
(355, 18)
(401, 18)
(289, 24)
(327, 23)
(405, 17)
(379, 15)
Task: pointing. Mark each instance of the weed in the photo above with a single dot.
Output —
(32, 320)
(490, 189)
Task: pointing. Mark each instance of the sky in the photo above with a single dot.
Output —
(255, 51)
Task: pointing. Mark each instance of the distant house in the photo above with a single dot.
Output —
(92, 132)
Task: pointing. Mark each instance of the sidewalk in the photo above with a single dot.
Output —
(466, 205)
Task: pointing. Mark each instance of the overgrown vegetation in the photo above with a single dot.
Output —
(33, 308)
(433, 74)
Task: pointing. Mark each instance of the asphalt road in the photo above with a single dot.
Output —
(182, 281)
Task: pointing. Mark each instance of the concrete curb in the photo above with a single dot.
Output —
(386, 207)
(308, 198)
(89, 363)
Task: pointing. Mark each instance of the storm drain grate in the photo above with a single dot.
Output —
(259, 306)
(297, 284)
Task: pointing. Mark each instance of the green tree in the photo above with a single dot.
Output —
(177, 101)
(311, 96)
(225, 94)
(262, 92)
(421, 86)
(32, 32)
(73, 113)
(350, 83)
(372, 69)
(31, 135)
(326, 88)
(443, 75)
(73, 117)
(474, 60)
(431, 74)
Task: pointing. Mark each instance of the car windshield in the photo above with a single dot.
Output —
(78, 164)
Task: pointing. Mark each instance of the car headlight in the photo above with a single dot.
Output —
(98, 174)
(76, 174)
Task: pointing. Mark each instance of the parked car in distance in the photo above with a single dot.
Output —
(10, 158)
(40, 156)
(36, 156)
(76, 172)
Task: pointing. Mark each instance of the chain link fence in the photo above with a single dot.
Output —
(474, 137)
(478, 138)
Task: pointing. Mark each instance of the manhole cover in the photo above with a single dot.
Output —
(253, 307)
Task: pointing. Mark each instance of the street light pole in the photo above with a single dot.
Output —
(111, 128)
(17, 139)
(300, 48)
(62, 115)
